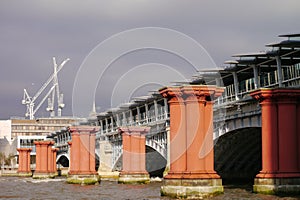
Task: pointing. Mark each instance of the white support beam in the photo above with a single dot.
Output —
(236, 85)
(255, 73)
(279, 71)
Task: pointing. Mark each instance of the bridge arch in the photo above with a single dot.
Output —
(155, 162)
(238, 154)
(63, 159)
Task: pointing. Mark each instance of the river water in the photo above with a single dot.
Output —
(28, 188)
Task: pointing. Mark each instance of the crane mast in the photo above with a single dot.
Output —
(54, 90)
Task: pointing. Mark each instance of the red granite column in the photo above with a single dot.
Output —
(82, 155)
(134, 155)
(197, 178)
(298, 130)
(22, 154)
(24, 161)
(54, 153)
(177, 131)
(74, 153)
(199, 116)
(280, 141)
(44, 157)
(50, 157)
(37, 158)
(126, 141)
(92, 155)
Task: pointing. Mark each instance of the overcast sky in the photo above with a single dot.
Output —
(32, 32)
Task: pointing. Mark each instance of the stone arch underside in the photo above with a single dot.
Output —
(155, 163)
(63, 160)
(237, 155)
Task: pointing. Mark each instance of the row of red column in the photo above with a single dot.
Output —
(45, 159)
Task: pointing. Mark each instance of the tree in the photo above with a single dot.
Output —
(2, 159)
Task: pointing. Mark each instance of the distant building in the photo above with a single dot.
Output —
(40, 126)
(19, 132)
(5, 130)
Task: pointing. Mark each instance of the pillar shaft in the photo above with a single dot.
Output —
(280, 138)
(134, 155)
(269, 137)
(134, 149)
(82, 154)
(92, 153)
(191, 172)
(199, 131)
(178, 139)
(287, 129)
(44, 159)
(24, 160)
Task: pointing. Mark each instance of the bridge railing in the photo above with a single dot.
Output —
(291, 78)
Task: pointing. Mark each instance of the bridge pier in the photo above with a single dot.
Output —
(280, 109)
(24, 162)
(134, 155)
(105, 170)
(191, 172)
(82, 156)
(45, 160)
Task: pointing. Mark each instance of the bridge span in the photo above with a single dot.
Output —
(237, 117)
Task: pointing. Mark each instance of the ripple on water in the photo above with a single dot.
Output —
(28, 188)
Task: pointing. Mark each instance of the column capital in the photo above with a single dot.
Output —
(264, 95)
(134, 130)
(173, 94)
(44, 142)
(24, 149)
(202, 92)
(83, 129)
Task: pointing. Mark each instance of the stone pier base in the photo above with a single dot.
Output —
(82, 179)
(109, 175)
(24, 174)
(191, 188)
(134, 178)
(40, 175)
(277, 185)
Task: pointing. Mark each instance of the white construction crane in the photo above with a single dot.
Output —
(30, 101)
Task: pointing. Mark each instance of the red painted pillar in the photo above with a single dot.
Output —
(178, 138)
(199, 130)
(82, 155)
(191, 133)
(280, 140)
(24, 160)
(134, 155)
(44, 159)
(54, 153)
(298, 131)
(92, 155)
(82, 150)
(74, 153)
